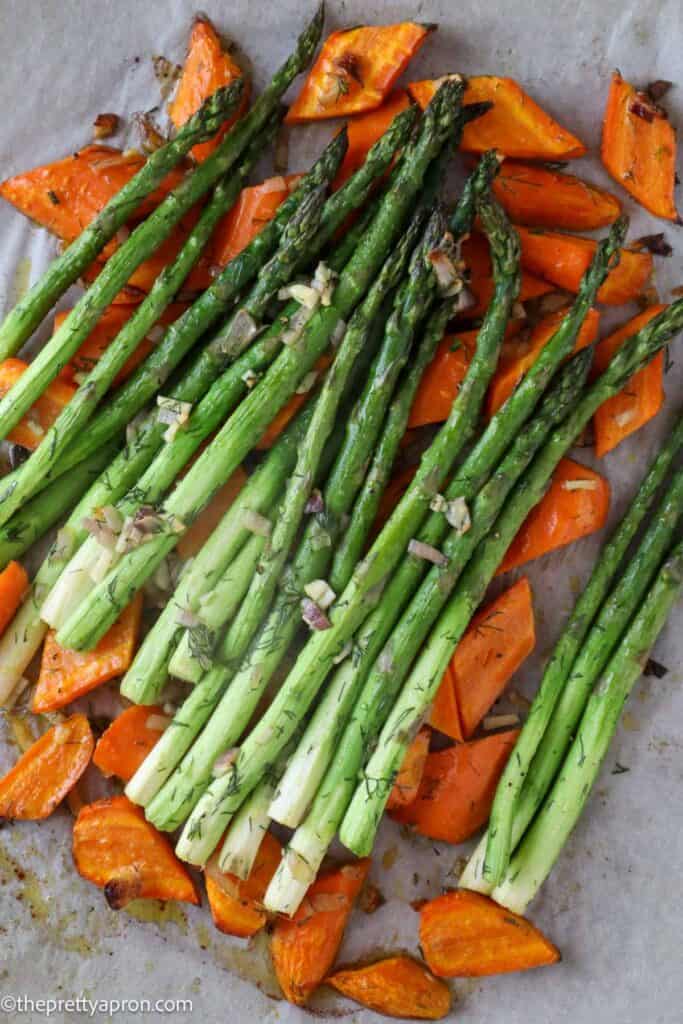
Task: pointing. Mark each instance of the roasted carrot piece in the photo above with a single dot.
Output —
(125, 744)
(255, 206)
(103, 333)
(67, 195)
(13, 586)
(563, 259)
(397, 987)
(237, 905)
(639, 401)
(66, 675)
(209, 518)
(475, 252)
(498, 640)
(118, 850)
(207, 68)
(356, 70)
(575, 505)
(46, 772)
(303, 947)
(442, 379)
(639, 148)
(408, 779)
(516, 125)
(289, 410)
(517, 357)
(457, 788)
(31, 428)
(364, 131)
(466, 935)
(539, 196)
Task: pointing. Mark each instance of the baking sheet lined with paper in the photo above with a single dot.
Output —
(608, 905)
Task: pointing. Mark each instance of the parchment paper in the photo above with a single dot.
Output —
(613, 904)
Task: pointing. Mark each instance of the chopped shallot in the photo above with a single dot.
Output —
(313, 615)
(426, 552)
(321, 592)
(256, 523)
(580, 485)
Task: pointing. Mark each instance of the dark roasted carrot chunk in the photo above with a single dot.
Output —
(207, 68)
(123, 747)
(575, 505)
(640, 400)
(356, 69)
(639, 148)
(304, 947)
(46, 772)
(118, 850)
(542, 197)
(516, 125)
(498, 640)
(236, 905)
(564, 259)
(457, 788)
(66, 675)
(397, 987)
(466, 935)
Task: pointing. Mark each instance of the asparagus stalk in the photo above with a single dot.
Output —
(45, 510)
(365, 810)
(609, 624)
(72, 419)
(174, 802)
(20, 323)
(541, 846)
(488, 871)
(412, 302)
(96, 614)
(149, 235)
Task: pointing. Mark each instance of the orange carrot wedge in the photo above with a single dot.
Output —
(123, 747)
(475, 252)
(466, 935)
(539, 196)
(457, 788)
(397, 987)
(255, 206)
(498, 640)
(118, 850)
(207, 68)
(66, 675)
(46, 772)
(563, 259)
(516, 358)
(575, 505)
(13, 586)
(639, 148)
(236, 905)
(304, 947)
(639, 401)
(408, 779)
(31, 428)
(356, 70)
(67, 195)
(209, 518)
(516, 125)
(103, 333)
(442, 379)
(364, 131)
(289, 410)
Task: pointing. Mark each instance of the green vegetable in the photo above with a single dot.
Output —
(507, 823)
(534, 858)
(365, 811)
